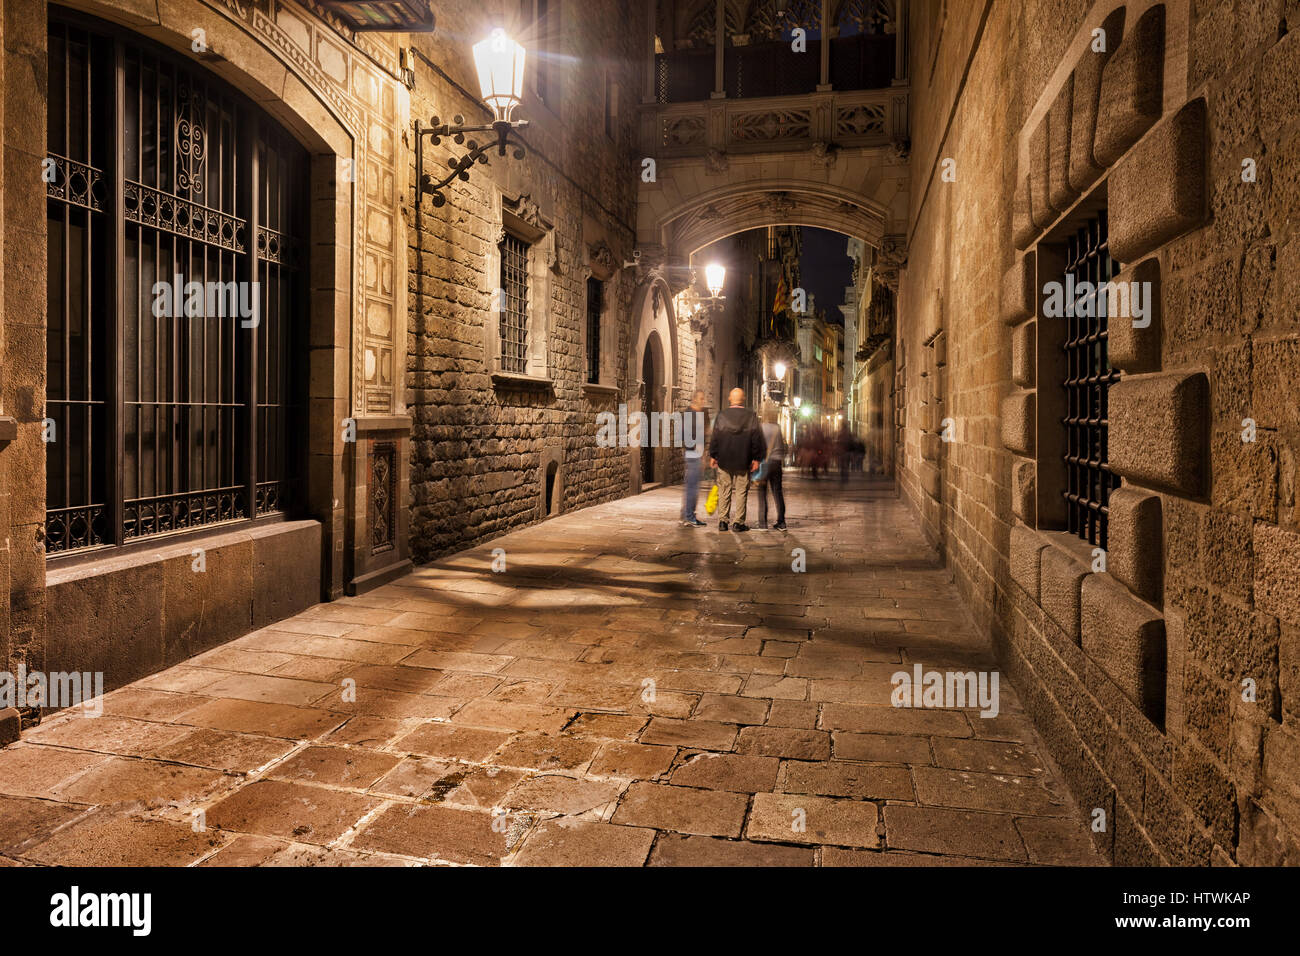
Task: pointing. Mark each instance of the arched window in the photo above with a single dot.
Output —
(176, 296)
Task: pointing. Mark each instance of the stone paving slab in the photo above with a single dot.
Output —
(627, 693)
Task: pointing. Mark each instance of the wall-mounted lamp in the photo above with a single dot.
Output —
(715, 276)
(779, 369)
(500, 63)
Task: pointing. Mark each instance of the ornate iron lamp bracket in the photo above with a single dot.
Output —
(459, 168)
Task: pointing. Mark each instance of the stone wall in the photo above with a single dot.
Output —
(340, 94)
(1164, 672)
(480, 437)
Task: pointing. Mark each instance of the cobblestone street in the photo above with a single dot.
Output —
(626, 691)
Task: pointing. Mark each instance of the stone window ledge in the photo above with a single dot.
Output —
(594, 388)
(1071, 544)
(134, 555)
(383, 423)
(8, 429)
(518, 380)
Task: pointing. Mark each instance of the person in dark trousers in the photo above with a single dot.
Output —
(694, 463)
(775, 443)
(735, 450)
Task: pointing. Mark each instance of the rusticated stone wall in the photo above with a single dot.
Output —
(1165, 672)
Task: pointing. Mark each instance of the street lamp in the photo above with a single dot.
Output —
(715, 276)
(500, 64)
(779, 369)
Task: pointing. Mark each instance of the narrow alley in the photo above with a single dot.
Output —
(607, 688)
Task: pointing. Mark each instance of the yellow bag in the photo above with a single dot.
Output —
(711, 502)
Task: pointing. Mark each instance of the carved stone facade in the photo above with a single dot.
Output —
(128, 611)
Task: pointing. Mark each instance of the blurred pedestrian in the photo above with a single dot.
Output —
(693, 443)
(772, 467)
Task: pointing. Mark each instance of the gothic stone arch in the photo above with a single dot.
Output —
(656, 328)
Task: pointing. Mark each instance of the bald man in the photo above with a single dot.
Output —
(735, 450)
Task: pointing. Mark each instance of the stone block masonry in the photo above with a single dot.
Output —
(1159, 662)
(481, 441)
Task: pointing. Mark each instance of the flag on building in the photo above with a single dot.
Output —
(782, 303)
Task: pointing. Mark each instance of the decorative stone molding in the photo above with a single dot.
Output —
(891, 257)
(521, 216)
(383, 496)
(524, 208)
(716, 162)
(601, 260)
(781, 204)
(650, 262)
(825, 153)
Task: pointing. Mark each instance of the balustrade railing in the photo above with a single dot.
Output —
(853, 118)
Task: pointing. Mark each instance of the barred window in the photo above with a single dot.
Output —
(514, 304)
(176, 305)
(595, 305)
(1089, 480)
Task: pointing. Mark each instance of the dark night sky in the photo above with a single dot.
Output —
(826, 268)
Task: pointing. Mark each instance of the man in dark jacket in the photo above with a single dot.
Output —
(735, 450)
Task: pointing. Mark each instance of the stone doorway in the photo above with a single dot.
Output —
(650, 405)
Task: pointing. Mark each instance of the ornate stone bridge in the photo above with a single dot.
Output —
(834, 160)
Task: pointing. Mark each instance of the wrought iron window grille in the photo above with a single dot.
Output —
(1089, 375)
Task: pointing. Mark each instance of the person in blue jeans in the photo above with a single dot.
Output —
(775, 444)
(694, 451)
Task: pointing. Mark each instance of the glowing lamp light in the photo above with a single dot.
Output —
(779, 369)
(714, 277)
(500, 63)
(806, 411)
